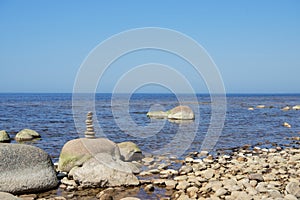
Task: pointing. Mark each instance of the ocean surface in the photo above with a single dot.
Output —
(51, 115)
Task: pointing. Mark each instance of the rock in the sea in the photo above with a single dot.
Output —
(77, 151)
(103, 170)
(296, 107)
(287, 125)
(260, 106)
(25, 169)
(8, 196)
(27, 134)
(158, 114)
(181, 113)
(4, 137)
(130, 151)
(286, 108)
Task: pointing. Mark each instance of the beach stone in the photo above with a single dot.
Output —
(286, 108)
(170, 184)
(130, 198)
(293, 188)
(257, 177)
(25, 169)
(181, 113)
(8, 196)
(27, 134)
(209, 173)
(149, 188)
(77, 151)
(4, 137)
(182, 185)
(103, 170)
(130, 151)
(220, 192)
(192, 192)
(260, 106)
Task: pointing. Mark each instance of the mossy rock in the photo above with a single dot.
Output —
(76, 152)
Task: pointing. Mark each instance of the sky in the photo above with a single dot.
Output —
(254, 44)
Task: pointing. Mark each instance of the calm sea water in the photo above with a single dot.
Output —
(51, 115)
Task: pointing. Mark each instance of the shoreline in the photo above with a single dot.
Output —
(247, 173)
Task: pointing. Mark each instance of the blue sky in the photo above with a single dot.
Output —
(255, 44)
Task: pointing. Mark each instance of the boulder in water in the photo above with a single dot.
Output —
(27, 134)
(4, 137)
(181, 113)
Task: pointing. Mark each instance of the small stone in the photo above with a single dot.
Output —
(257, 177)
(293, 188)
(182, 185)
(170, 184)
(209, 173)
(66, 181)
(4, 137)
(192, 192)
(220, 192)
(158, 181)
(149, 188)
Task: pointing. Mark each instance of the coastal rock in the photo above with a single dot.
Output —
(77, 151)
(4, 137)
(103, 170)
(130, 151)
(181, 113)
(157, 114)
(25, 169)
(27, 134)
(297, 107)
(260, 106)
(287, 125)
(8, 196)
(286, 108)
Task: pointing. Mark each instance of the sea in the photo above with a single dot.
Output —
(120, 119)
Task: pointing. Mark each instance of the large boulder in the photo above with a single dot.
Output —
(78, 151)
(25, 169)
(27, 134)
(104, 171)
(4, 137)
(130, 151)
(181, 113)
(177, 113)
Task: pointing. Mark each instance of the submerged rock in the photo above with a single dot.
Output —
(25, 169)
(130, 151)
(27, 134)
(4, 137)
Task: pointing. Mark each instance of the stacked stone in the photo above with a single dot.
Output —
(89, 133)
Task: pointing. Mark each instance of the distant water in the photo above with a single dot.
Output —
(51, 115)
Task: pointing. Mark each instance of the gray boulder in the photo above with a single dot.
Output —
(25, 169)
(27, 134)
(181, 113)
(104, 171)
(130, 151)
(4, 137)
(76, 152)
(177, 113)
(8, 196)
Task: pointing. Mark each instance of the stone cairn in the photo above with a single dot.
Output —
(89, 133)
